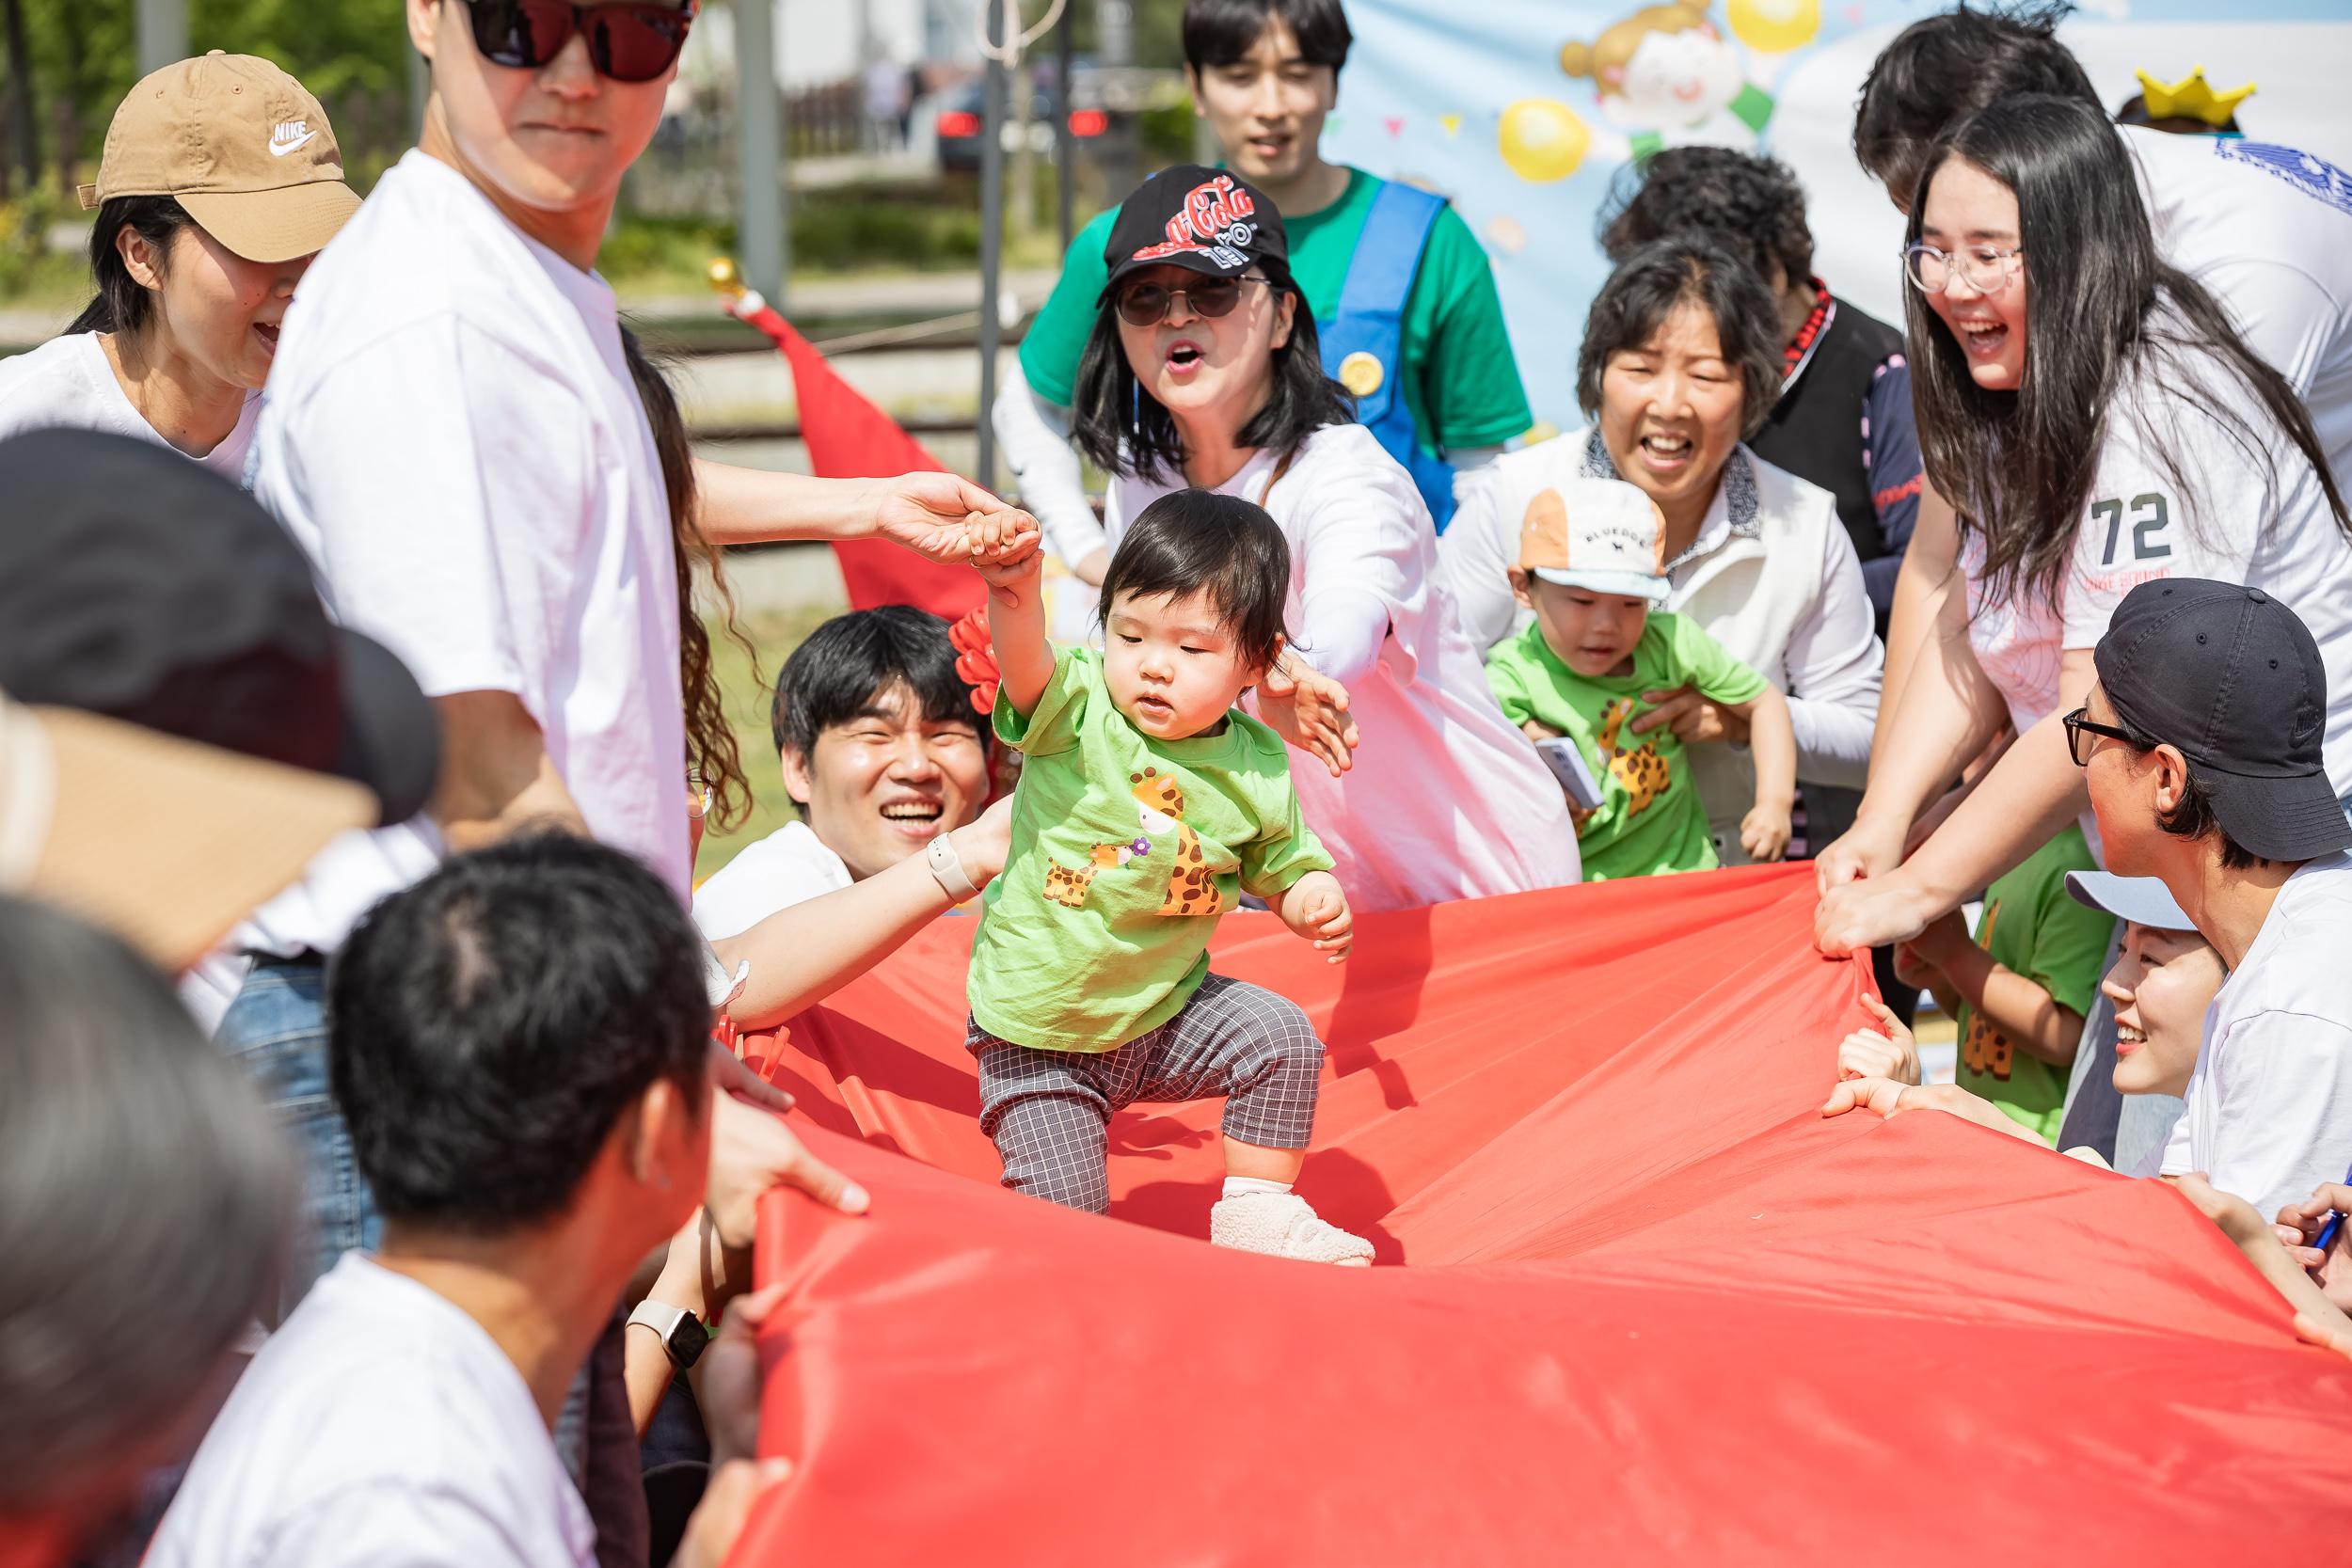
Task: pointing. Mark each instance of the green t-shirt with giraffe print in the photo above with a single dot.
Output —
(1125, 850)
(1650, 817)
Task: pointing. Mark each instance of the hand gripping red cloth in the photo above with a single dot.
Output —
(848, 437)
(1656, 1307)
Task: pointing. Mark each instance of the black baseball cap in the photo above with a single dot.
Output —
(136, 584)
(2233, 678)
(1204, 219)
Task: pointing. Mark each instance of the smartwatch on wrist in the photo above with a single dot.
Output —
(948, 866)
(682, 1333)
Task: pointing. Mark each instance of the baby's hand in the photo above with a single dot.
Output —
(1868, 1054)
(1764, 832)
(1020, 560)
(1315, 907)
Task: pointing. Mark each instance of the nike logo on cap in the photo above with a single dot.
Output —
(288, 136)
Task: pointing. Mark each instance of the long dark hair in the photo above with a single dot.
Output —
(711, 744)
(2100, 307)
(124, 303)
(1128, 431)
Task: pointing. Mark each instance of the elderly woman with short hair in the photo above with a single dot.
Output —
(1681, 363)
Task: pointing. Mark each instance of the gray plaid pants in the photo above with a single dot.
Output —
(1049, 1111)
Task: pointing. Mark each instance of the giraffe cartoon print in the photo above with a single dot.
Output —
(1160, 804)
(1190, 888)
(1640, 769)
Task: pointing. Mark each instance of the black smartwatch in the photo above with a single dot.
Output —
(682, 1333)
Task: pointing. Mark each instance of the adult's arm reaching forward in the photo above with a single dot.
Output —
(944, 516)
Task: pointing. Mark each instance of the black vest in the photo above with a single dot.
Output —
(1815, 431)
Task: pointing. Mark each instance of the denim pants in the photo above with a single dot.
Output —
(276, 1031)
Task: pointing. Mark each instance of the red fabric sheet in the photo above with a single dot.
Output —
(1654, 1306)
(849, 439)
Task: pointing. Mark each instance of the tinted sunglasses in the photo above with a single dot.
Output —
(1148, 304)
(627, 42)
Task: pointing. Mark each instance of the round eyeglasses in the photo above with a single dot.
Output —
(1981, 267)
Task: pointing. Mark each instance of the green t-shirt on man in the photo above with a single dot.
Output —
(1125, 850)
(1650, 817)
(1461, 381)
(2032, 926)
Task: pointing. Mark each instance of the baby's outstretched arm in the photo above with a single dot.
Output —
(1315, 907)
(1772, 740)
(1016, 627)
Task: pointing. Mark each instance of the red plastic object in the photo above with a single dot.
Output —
(849, 438)
(1655, 1308)
(976, 658)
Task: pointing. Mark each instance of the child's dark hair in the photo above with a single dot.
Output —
(1200, 542)
(852, 659)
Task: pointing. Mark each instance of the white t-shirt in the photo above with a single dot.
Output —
(67, 384)
(1446, 800)
(2233, 525)
(380, 1427)
(452, 434)
(2269, 1105)
(2267, 229)
(789, 866)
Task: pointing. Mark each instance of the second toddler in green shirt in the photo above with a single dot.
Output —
(1590, 558)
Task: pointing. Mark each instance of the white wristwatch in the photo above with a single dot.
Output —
(682, 1333)
(948, 867)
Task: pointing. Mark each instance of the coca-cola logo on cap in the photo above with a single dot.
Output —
(1213, 222)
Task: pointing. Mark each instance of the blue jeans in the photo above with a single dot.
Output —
(276, 1030)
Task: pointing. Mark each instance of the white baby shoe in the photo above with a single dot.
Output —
(1281, 1225)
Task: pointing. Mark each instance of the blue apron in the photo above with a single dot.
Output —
(1371, 320)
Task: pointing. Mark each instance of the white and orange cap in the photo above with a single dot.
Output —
(1600, 534)
(241, 145)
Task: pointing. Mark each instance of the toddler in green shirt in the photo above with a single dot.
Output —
(1590, 559)
(1147, 804)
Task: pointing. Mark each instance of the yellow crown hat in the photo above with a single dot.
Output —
(2192, 97)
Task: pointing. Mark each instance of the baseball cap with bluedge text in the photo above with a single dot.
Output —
(241, 145)
(1600, 534)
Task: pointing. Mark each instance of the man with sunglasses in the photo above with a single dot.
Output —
(452, 434)
(1407, 315)
(2200, 747)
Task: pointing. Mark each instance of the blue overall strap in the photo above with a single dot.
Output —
(1371, 320)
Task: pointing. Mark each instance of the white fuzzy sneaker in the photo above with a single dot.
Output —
(1281, 1225)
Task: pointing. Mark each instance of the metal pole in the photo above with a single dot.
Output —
(162, 34)
(992, 239)
(758, 150)
(1065, 145)
(1117, 149)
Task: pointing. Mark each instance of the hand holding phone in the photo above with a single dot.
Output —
(1566, 761)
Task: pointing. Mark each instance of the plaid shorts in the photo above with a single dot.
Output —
(1049, 1111)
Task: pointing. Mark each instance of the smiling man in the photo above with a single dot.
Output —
(881, 753)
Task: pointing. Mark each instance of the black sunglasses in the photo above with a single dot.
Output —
(2079, 720)
(627, 42)
(1148, 304)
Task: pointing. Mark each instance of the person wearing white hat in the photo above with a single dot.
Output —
(1590, 566)
(220, 181)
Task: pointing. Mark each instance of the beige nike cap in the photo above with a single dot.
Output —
(244, 147)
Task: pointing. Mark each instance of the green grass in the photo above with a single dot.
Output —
(747, 696)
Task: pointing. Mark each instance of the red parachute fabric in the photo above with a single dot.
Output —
(1653, 1307)
(849, 439)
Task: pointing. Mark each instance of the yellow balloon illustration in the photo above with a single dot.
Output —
(1774, 26)
(1542, 140)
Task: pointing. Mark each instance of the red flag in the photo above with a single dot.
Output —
(1653, 1307)
(849, 439)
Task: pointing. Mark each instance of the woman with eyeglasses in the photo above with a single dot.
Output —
(1203, 370)
(2097, 421)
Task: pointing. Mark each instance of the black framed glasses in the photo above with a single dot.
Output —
(1148, 304)
(627, 42)
(2077, 724)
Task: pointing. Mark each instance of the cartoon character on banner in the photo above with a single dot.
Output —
(1668, 78)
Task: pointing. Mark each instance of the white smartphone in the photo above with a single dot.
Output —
(1566, 761)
